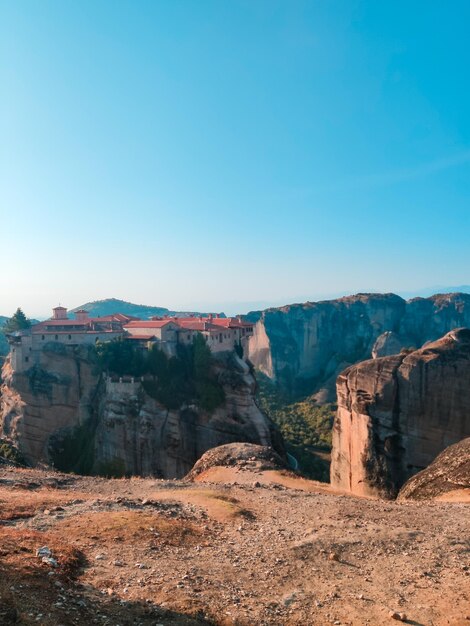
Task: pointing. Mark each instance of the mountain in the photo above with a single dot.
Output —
(303, 347)
(99, 308)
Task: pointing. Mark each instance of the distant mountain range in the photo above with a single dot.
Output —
(99, 308)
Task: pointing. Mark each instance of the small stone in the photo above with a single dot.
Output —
(100, 557)
(400, 617)
(44, 551)
(333, 556)
(48, 560)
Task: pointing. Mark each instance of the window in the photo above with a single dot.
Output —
(26, 359)
(70, 336)
(43, 337)
(57, 337)
(220, 338)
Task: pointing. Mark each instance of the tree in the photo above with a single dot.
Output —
(18, 321)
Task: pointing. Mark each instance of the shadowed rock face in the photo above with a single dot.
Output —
(131, 432)
(303, 347)
(396, 413)
(449, 472)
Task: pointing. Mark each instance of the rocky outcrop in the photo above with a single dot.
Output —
(303, 347)
(396, 413)
(143, 436)
(121, 429)
(448, 474)
(57, 393)
(255, 457)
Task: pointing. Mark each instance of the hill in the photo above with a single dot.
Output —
(108, 306)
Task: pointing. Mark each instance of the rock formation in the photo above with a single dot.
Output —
(303, 347)
(65, 401)
(249, 455)
(448, 475)
(396, 413)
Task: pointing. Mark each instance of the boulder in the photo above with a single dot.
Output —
(238, 455)
(448, 474)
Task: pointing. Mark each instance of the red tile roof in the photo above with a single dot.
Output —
(148, 324)
(65, 322)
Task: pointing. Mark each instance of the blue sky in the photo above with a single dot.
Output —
(230, 154)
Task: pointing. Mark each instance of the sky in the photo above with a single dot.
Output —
(230, 155)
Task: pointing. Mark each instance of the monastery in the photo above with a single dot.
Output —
(220, 333)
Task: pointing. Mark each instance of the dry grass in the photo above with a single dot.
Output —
(129, 527)
(219, 506)
(25, 587)
(16, 504)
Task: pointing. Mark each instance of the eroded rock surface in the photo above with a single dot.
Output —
(129, 432)
(397, 413)
(238, 455)
(448, 474)
(303, 347)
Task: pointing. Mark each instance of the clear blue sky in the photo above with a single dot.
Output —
(215, 154)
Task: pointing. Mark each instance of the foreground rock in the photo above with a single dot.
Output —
(64, 411)
(397, 413)
(238, 455)
(303, 347)
(448, 476)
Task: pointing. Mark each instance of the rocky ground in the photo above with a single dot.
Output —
(240, 545)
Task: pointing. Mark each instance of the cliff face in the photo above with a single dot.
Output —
(141, 435)
(303, 347)
(396, 413)
(58, 393)
(122, 429)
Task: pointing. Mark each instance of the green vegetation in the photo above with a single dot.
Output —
(10, 453)
(305, 425)
(18, 321)
(186, 378)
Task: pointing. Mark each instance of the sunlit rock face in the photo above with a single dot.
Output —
(128, 432)
(397, 413)
(303, 347)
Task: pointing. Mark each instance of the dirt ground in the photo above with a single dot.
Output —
(238, 547)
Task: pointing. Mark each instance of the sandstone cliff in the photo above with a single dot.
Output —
(63, 408)
(396, 413)
(303, 347)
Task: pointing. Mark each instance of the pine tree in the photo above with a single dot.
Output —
(18, 321)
